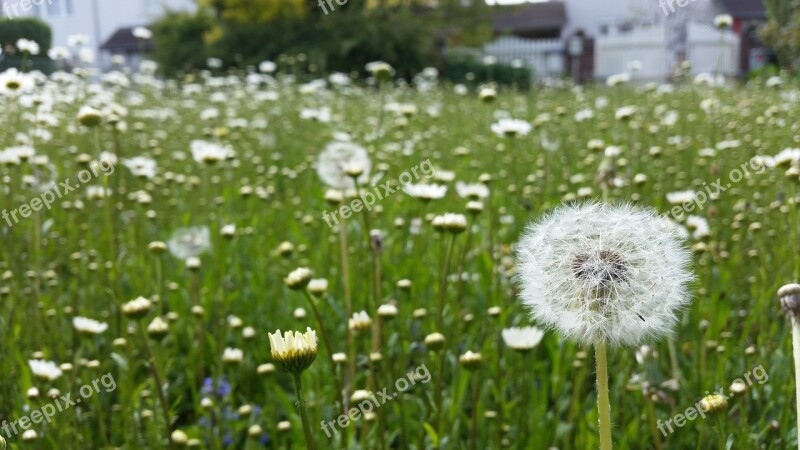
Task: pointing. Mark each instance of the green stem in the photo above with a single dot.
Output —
(796, 349)
(603, 405)
(298, 388)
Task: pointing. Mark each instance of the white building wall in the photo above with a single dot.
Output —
(99, 19)
(591, 15)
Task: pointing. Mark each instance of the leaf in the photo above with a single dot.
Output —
(431, 434)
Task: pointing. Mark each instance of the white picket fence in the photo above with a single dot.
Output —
(708, 50)
(545, 57)
(615, 51)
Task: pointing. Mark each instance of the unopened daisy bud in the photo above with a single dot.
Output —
(232, 355)
(318, 286)
(255, 430)
(487, 94)
(53, 393)
(194, 443)
(419, 313)
(284, 425)
(453, 223)
(235, 322)
(193, 263)
(793, 173)
(299, 313)
(137, 308)
(713, 403)
(157, 247)
(249, 333)
(789, 296)
(404, 284)
(228, 231)
(245, 410)
(2, 443)
(265, 369)
(354, 170)
(89, 117)
(339, 358)
(32, 393)
(158, 328)
(294, 351)
(387, 311)
(198, 311)
(375, 357)
(359, 395)
(470, 361)
(29, 435)
(334, 196)
(494, 311)
(475, 207)
(359, 322)
(737, 387)
(179, 438)
(285, 249)
(434, 341)
(298, 279)
(206, 403)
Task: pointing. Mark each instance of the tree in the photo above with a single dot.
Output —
(782, 31)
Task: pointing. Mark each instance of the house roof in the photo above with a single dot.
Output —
(531, 17)
(745, 9)
(123, 41)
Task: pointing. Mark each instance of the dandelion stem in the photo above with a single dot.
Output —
(443, 283)
(151, 360)
(603, 405)
(796, 349)
(301, 402)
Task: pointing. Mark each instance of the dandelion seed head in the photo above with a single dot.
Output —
(603, 274)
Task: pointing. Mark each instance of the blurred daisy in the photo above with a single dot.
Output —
(88, 326)
(522, 339)
(46, 370)
(141, 166)
(511, 128)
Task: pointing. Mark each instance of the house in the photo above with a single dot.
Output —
(100, 19)
(572, 27)
(748, 16)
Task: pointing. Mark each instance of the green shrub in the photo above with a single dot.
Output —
(457, 68)
(11, 30)
(178, 38)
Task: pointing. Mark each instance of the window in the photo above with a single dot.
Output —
(58, 8)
